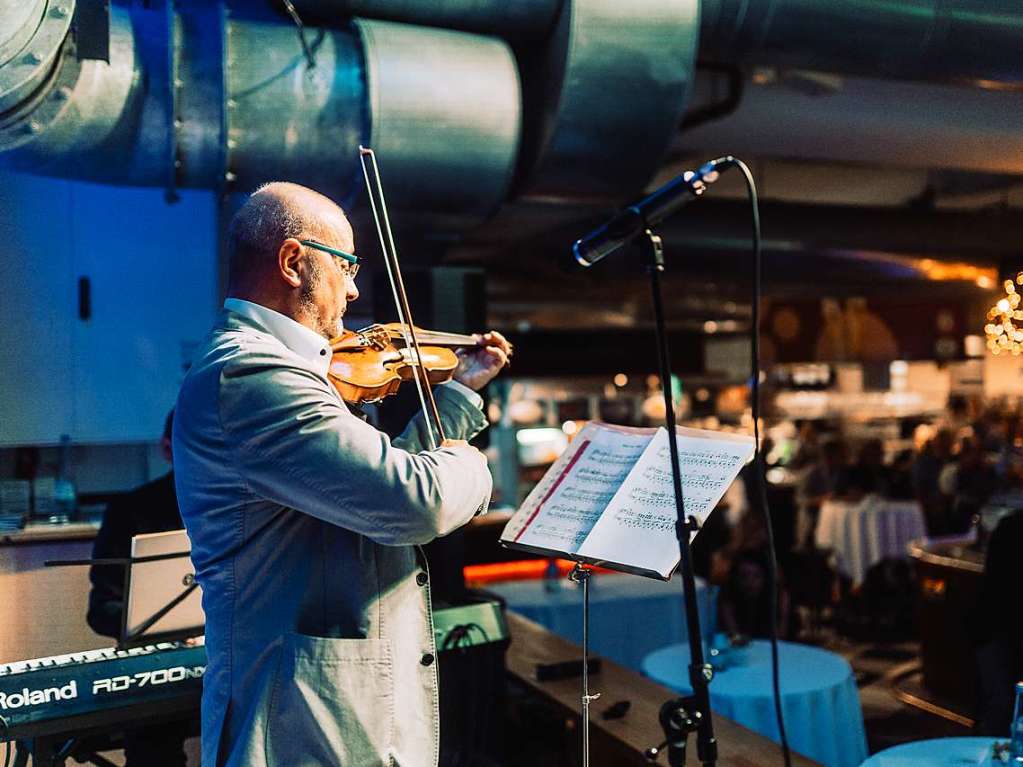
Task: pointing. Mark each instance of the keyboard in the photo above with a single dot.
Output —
(64, 692)
(44, 690)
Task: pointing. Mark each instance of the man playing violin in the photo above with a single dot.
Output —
(305, 520)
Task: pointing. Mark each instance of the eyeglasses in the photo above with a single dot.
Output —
(352, 266)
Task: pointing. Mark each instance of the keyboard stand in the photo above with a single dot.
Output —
(42, 750)
(51, 751)
(54, 742)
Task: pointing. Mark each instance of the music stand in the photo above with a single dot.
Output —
(162, 601)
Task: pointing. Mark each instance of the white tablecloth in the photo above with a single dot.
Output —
(862, 534)
(630, 616)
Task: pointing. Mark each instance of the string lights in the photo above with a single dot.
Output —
(1004, 329)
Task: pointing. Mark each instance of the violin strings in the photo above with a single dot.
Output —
(435, 337)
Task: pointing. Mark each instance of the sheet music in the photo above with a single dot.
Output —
(638, 526)
(562, 509)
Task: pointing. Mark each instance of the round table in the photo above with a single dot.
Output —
(630, 616)
(863, 533)
(820, 702)
(941, 752)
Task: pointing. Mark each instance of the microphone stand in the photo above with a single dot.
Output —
(681, 716)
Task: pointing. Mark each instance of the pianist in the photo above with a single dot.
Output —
(151, 508)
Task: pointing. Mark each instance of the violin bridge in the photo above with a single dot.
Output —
(374, 336)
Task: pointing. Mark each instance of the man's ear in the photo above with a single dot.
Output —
(288, 261)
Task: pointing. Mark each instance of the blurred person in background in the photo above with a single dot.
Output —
(900, 476)
(992, 429)
(151, 508)
(996, 627)
(926, 473)
(817, 485)
(808, 446)
(958, 417)
(966, 482)
(868, 476)
(740, 527)
(743, 604)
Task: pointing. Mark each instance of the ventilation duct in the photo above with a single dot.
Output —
(605, 83)
(871, 122)
(605, 96)
(584, 105)
(233, 103)
(189, 95)
(515, 20)
(32, 35)
(939, 40)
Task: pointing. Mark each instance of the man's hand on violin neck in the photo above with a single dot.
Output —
(477, 367)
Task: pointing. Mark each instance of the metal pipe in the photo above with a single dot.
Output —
(868, 121)
(973, 41)
(446, 114)
(93, 123)
(605, 96)
(31, 37)
(518, 20)
(18, 21)
(722, 107)
(193, 99)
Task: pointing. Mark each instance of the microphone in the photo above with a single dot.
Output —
(632, 221)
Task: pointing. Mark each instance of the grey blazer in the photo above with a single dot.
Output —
(303, 521)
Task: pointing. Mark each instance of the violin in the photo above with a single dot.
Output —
(370, 364)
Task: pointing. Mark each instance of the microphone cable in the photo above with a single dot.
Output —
(759, 465)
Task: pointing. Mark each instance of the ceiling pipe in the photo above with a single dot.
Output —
(192, 97)
(735, 82)
(584, 108)
(515, 20)
(871, 122)
(936, 40)
(32, 35)
(196, 94)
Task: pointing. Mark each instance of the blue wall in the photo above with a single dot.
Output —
(152, 269)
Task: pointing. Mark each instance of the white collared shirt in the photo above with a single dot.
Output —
(303, 341)
(308, 343)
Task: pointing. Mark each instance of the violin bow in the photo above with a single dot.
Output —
(375, 190)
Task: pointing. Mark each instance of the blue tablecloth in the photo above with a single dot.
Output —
(820, 702)
(630, 616)
(941, 752)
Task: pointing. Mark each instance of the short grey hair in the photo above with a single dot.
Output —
(272, 214)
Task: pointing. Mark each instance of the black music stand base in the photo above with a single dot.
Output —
(680, 717)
